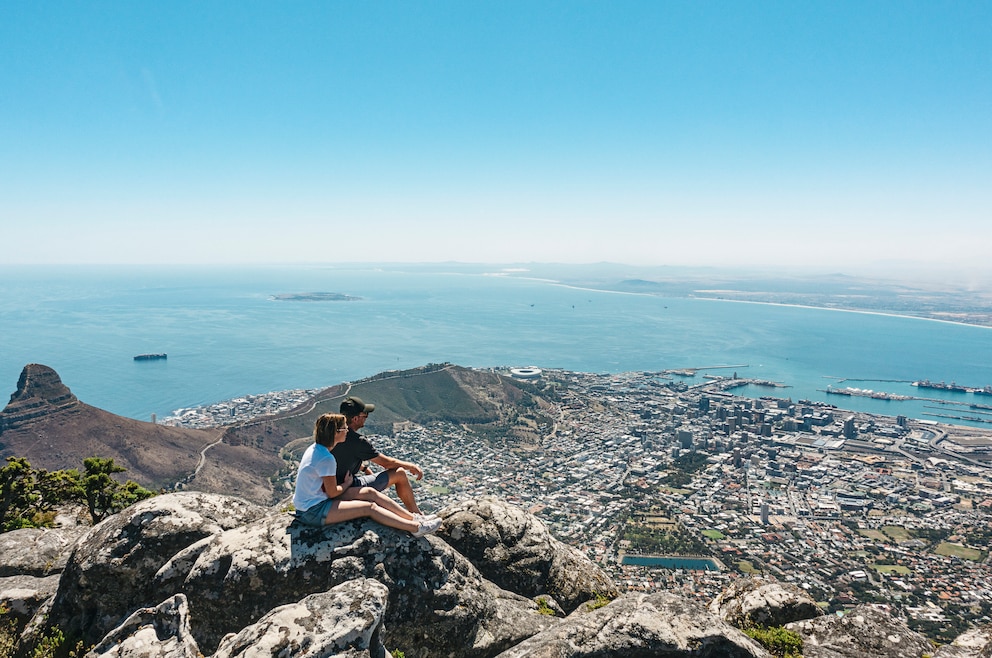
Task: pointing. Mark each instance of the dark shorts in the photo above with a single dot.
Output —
(379, 482)
(315, 515)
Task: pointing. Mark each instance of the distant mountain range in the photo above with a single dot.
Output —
(46, 424)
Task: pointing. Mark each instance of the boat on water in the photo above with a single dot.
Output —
(957, 388)
(865, 393)
(940, 386)
(150, 357)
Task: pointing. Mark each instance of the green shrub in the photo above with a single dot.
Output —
(8, 633)
(29, 497)
(598, 602)
(49, 646)
(777, 640)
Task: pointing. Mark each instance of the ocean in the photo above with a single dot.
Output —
(226, 336)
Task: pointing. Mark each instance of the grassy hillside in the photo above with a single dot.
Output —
(245, 459)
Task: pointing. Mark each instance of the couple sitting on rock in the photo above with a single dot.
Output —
(330, 488)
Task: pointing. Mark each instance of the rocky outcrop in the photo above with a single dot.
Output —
(269, 562)
(40, 392)
(864, 631)
(343, 621)
(188, 575)
(23, 596)
(753, 602)
(31, 560)
(234, 562)
(641, 626)
(517, 552)
(37, 551)
(159, 632)
(975, 643)
(112, 570)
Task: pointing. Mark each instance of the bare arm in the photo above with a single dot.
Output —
(332, 488)
(389, 462)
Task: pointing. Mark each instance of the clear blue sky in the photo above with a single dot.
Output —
(720, 133)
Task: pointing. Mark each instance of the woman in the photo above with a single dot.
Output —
(317, 496)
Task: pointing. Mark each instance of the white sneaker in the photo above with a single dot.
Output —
(420, 518)
(427, 527)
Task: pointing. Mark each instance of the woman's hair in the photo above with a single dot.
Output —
(325, 427)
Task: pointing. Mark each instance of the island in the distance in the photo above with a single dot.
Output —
(314, 297)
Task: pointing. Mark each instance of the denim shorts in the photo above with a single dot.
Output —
(315, 515)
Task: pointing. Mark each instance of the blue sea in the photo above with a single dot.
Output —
(226, 336)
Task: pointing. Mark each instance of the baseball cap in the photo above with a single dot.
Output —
(353, 406)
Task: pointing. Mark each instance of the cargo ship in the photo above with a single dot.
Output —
(865, 393)
(926, 383)
(150, 357)
(957, 388)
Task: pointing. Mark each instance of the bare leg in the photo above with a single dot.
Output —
(374, 496)
(346, 510)
(399, 479)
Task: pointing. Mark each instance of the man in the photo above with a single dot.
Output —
(356, 449)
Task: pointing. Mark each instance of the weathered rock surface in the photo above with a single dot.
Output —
(516, 551)
(184, 575)
(344, 621)
(660, 625)
(753, 602)
(159, 632)
(111, 571)
(438, 604)
(862, 632)
(22, 596)
(37, 551)
(975, 643)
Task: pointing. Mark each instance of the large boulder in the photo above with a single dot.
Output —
(438, 604)
(110, 573)
(864, 631)
(753, 602)
(37, 551)
(159, 632)
(659, 625)
(516, 551)
(344, 621)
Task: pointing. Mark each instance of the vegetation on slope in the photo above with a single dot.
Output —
(29, 497)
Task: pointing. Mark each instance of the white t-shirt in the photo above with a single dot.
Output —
(316, 463)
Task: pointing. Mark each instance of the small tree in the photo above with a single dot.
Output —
(29, 497)
(104, 494)
(57, 487)
(18, 494)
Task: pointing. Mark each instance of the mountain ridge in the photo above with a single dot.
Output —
(46, 424)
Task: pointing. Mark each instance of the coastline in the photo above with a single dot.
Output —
(886, 314)
(241, 344)
(845, 309)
